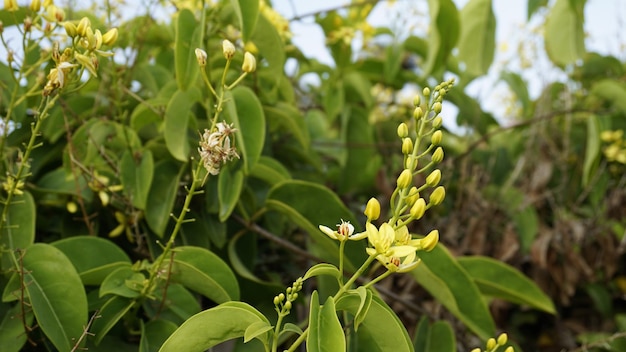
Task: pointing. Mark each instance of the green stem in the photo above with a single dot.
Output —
(279, 322)
(376, 280)
(342, 245)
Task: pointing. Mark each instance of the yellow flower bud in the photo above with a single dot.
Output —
(47, 3)
(418, 113)
(82, 26)
(35, 5)
(430, 241)
(426, 91)
(91, 38)
(491, 344)
(437, 155)
(110, 37)
(87, 62)
(433, 179)
(98, 41)
(11, 5)
(509, 349)
(437, 107)
(288, 305)
(502, 339)
(418, 209)
(405, 178)
(201, 56)
(249, 63)
(437, 121)
(412, 197)
(476, 350)
(407, 146)
(403, 130)
(71, 207)
(228, 48)
(372, 209)
(438, 195)
(276, 300)
(70, 29)
(417, 100)
(409, 160)
(435, 139)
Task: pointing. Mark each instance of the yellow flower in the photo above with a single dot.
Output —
(382, 242)
(11, 5)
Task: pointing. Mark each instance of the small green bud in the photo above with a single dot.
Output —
(287, 305)
(281, 297)
(437, 121)
(435, 139)
(430, 241)
(491, 344)
(437, 155)
(509, 349)
(294, 296)
(372, 209)
(405, 178)
(438, 195)
(407, 146)
(276, 300)
(476, 350)
(417, 100)
(403, 130)
(289, 290)
(437, 107)
(502, 339)
(418, 209)
(418, 113)
(433, 179)
(426, 91)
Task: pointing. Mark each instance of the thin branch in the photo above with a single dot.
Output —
(602, 343)
(335, 8)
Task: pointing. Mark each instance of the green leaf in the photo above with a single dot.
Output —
(564, 33)
(204, 330)
(534, 5)
(500, 280)
(245, 111)
(446, 280)
(441, 338)
(322, 269)
(247, 13)
(520, 88)
(162, 195)
(91, 268)
(478, 36)
(229, 186)
(60, 309)
(270, 170)
(612, 91)
(293, 198)
(189, 34)
(110, 313)
(12, 333)
(123, 281)
(381, 330)
(325, 331)
(136, 172)
(290, 119)
(177, 117)
(271, 47)
(444, 33)
(18, 231)
(180, 305)
(255, 330)
(366, 301)
(204, 272)
(154, 333)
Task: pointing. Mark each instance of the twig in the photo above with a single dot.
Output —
(602, 343)
(85, 332)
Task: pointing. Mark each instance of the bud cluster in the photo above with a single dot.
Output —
(229, 50)
(283, 301)
(493, 344)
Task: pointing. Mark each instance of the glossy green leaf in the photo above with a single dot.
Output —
(293, 198)
(255, 330)
(229, 186)
(91, 268)
(243, 109)
(247, 13)
(441, 338)
(366, 301)
(177, 117)
(18, 231)
(204, 272)
(446, 280)
(12, 333)
(123, 281)
(322, 269)
(188, 37)
(290, 119)
(325, 331)
(444, 33)
(213, 326)
(498, 279)
(162, 195)
(533, 6)
(110, 313)
(61, 310)
(478, 36)
(271, 47)
(154, 333)
(270, 170)
(291, 328)
(422, 331)
(136, 172)
(381, 329)
(564, 32)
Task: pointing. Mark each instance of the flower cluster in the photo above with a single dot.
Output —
(493, 344)
(615, 151)
(215, 148)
